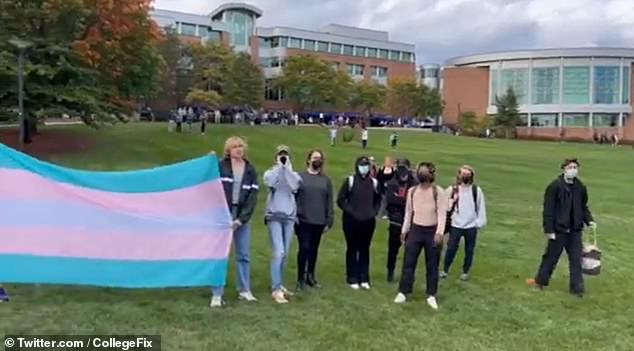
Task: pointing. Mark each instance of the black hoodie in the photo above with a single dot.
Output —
(363, 200)
(396, 197)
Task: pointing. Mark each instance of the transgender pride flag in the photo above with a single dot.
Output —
(167, 226)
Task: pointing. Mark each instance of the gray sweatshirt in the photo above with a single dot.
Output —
(314, 200)
(283, 184)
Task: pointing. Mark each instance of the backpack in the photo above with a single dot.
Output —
(454, 190)
(375, 184)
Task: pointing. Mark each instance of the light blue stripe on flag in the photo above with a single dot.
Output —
(112, 273)
(171, 177)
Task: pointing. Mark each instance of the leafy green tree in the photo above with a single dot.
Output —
(507, 117)
(368, 96)
(244, 83)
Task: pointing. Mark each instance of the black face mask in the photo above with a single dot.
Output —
(466, 179)
(402, 174)
(316, 165)
(425, 178)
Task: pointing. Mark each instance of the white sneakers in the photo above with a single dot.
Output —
(216, 301)
(287, 292)
(278, 296)
(400, 298)
(365, 286)
(431, 301)
(247, 296)
(355, 286)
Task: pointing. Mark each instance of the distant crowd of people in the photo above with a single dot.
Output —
(604, 139)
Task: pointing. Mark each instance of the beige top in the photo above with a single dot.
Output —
(427, 212)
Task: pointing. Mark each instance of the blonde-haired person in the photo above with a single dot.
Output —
(240, 181)
(468, 215)
(280, 216)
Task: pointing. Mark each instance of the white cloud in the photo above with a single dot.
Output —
(445, 28)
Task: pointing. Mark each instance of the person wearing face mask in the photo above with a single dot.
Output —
(315, 216)
(565, 213)
(468, 216)
(423, 228)
(280, 216)
(395, 199)
(359, 199)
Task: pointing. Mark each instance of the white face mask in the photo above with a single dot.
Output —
(571, 173)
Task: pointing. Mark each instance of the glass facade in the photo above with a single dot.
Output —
(372, 52)
(335, 48)
(545, 85)
(626, 85)
(309, 45)
(517, 79)
(605, 120)
(188, 29)
(213, 35)
(383, 54)
(395, 55)
(347, 50)
(240, 27)
(523, 120)
(606, 85)
(544, 120)
(576, 85)
(322, 46)
(493, 91)
(576, 120)
(265, 43)
(359, 51)
(407, 57)
(295, 43)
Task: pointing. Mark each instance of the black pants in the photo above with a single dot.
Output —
(574, 248)
(358, 240)
(203, 127)
(393, 245)
(420, 238)
(309, 237)
(364, 144)
(455, 234)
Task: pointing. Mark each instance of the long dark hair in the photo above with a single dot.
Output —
(323, 160)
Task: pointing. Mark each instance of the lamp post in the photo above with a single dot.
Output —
(21, 45)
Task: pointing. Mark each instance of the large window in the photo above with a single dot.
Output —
(605, 120)
(517, 79)
(279, 42)
(523, 120)
(545, 86)
(576, 85)
(335, 48)
(493, 92)
(372, 52)
(188, 29)
(407, 57)
(395, 55)
(309, 45)
(383, 54)
(544, 120)
(271, 92)
(606, 85)
(265, 43)
(576, 120)
(355, 70)
(379, 72)
(240, 27)
(359, 51)
(347, 50)
(295, 43)
(626, 85)
(213, 35)
(322, 46)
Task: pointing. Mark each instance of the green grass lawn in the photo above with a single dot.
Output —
(493, 311)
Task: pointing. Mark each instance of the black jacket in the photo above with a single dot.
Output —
(395, 199)
(566, 207)
(248, 191)
(363, 200)
(384, 178)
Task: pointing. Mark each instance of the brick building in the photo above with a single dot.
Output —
(362, 53)
(561, 92)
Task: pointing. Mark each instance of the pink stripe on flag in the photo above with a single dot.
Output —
(102, 244)
(23, 185)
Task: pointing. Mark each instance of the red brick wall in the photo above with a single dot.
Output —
(464, 89)
(254, 43)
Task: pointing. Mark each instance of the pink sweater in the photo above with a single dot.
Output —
(427, 212)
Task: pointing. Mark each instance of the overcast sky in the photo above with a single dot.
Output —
(442, 29)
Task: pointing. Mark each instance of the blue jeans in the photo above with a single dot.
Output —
(241, 241)
(280, 235)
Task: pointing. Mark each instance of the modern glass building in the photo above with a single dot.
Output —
(429, 75)
(577, 89)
